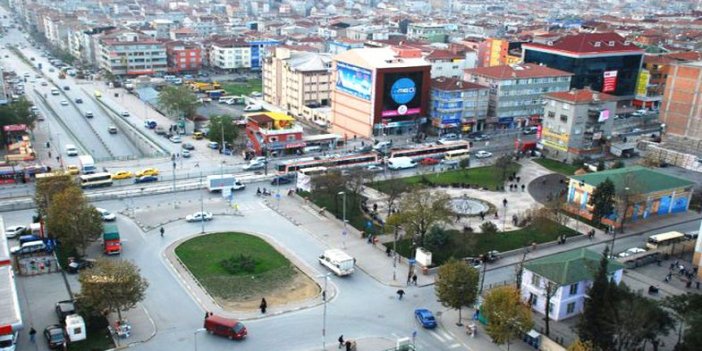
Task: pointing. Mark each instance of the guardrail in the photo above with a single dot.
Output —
(61, 122)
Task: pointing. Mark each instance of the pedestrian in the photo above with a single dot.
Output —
(375, 207)
(387, 250)
(400, 293)
(49, 154)
(341, 340)
(519, 179)
(698, 285)
(263, 305)
(162, 231)
(482, 215)
(207, 314)
(348, 345)
(370, 238)
(414, 336)
(667, 278)
(414, 280)
(689, 284)
(32, 334)
(523, 187)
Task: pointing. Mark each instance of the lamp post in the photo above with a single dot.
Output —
(504, 218)
(343, 234)
(202, 207)
(324, 315)
(578, 208)
(195, 336)
(394, 255)
(626, 209)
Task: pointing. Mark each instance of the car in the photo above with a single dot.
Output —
(478, 136)
(530, 130)
(76, 264)
(630, 252)
(429, 161)
(112, 129)
(175, 139)
(425, 318)
(483, 154)
(125, 114)
(383, 146)
(55, 337)
(122, 175)
(213, 145)
(374, 168)
(44, 84)
(50, 69)
(150, 123)
(188, 146)
(106, 215)
(88, 114)
(79, 101)
(260, 159)
(199, 216)
(147, 171)
(474, 262)
(72, 169)
(64, 308)
(15, 231)
(64, 103)
(186, 154)
(160, 130)
(66, 87)
(281, 180)
(449, 137)
(252, 166)
(146, 179)
(691, 235)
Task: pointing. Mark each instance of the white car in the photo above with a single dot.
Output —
(175, 139)
(483, 154)
(374, 168)
(14, 231)
(199, 216)
(64, 103)
(106, 215)
(125, 114)
(252, 166)
(630, 252)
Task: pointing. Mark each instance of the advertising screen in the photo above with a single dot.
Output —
(610, 81)
(353, 80)
(402, 94)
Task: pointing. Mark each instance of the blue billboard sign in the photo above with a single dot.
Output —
(353, 80)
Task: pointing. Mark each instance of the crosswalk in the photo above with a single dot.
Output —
(446, 339)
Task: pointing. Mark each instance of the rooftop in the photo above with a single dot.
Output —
(570, 267)
(529, 70)
(643, 180)
(580, 96)
(309, 61)
(454, 84)
(588, 44)
(385, 57)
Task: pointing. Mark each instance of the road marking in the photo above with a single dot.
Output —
(454, 346)
(437, 336)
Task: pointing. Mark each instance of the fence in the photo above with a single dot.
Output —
(35, 265)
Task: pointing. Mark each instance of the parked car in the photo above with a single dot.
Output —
(530, 130)
(146, 179)
(199, 216)
(64, 103)
(66, 87)
(77, 264)
(374, 168)
(281, 180)
(15, 231)
(188, 146)
(72, 169)
(88, 114)
(64, 308)
(186, 153)
(252, 166)
(160, 130)
(122, 175)
(147, 171)
(229, 328)
(425, 318)
(150, 123)
(106, 215)
(483, 154)
(55, 337)
(125, 114)
(79, 101)
(447, 138)
(175, 139)
(429, 161)
(112, 129)
(213, 145)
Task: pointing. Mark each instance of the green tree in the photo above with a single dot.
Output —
(456, 285)
(437, 239)
(178, 101)
(47, 188)
(595, 321)
(687, 310)
(580, 345)
(503, 163)
(508, 317)
(222, 124)
(73, 220)
(420, 210)
(638, 320)
(488, 228)
(112, 286)
(16, 113)
(328, 186)
(602, 200)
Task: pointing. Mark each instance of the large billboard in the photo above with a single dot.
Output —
(402, 94)
(610, 81)
(642, 83)
(354, 80)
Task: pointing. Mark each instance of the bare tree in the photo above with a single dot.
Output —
(519, 269)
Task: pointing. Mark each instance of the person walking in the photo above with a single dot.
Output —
(32, 334)
(414, 280)
(162, 231)
(341, 340)
(263, 305)
(400, 293)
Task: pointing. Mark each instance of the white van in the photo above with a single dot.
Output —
(401, 163)
(71, 150)
(337, 261)
(253, 108)
(54, 91)
(28, 247)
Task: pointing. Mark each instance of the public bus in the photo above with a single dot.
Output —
(313, 171)
(664, 239)
(95, 180)
(457, 154)
(433, 150)
(356, 160)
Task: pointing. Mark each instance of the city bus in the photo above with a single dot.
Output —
(664, 239)
(346, 161)
(432, 150)
(95, 180)
(457, 154)
(313, 171)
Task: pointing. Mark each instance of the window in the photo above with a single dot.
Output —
(550, 307)
(574, 289)
(551, 114)
(535, 280)
(564, 118)
(570, 308)
(533, 299)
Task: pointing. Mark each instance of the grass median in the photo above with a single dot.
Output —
(243, 88)
(556, 166)
(489, 177)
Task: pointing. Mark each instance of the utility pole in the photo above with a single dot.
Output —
(394, 256)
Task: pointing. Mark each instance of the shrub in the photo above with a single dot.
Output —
(239, 264)
(436, 239)
(488, 228)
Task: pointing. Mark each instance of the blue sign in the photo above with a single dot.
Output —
(403, 91)
(353, 80)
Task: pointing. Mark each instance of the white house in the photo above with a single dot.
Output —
(570, 274)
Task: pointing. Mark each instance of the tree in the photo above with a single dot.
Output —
(222, 124)
(488, 228)
(503, 163)
(638, 320)
(47, 188)
(73, 220)
(420, 210)
(178, 101)
(112, 286)
(456, 285)
(595, 321)
(437, 239)
(550, 290)
(508, 317)
(519, 269)
(393, 189)
(328, 186)
(687, 310)
(602, 200)
(580, 345)
(16, 113)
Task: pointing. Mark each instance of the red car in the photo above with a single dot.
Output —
(429, 161)
(229, 328)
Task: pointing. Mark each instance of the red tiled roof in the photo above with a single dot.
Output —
(529, 70)
(585, 43)
(580, 96)
(686, 56)
(454, 84)
(443, 55)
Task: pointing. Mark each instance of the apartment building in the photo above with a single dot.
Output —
(183, 57)
(431, 32)
(297, 80)
(458, 106)
(230, 54)
(650, 86)
(450, 63)
(496, 52)
(273, 133)
(516, 92)
(681, 109)
(576, 123)
(132, 53)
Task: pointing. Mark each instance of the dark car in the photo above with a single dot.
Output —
(146, 179)
(281, 180)
(188, 146)
(55, 337)
(77, 264)
(65, 308)
(425, 318)
(79, 101)
(66, 87)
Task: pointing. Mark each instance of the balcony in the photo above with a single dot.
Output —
(280, 131)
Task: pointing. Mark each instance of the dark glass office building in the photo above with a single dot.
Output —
(604, 62)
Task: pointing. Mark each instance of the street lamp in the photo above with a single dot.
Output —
(195, 336)
(324, 315)
(343, 234)
(626, 209)
(394, 255)
(202, 207)
(504, 218)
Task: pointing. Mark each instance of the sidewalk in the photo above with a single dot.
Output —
(143, 327)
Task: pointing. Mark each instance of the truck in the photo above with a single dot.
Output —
(110, 238)
(215, 94)
(87, 164)
(337, 261)
(224, 181)
(397, 163)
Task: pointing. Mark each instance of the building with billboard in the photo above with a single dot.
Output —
(380, 91)
(273, 133)
(604, 62)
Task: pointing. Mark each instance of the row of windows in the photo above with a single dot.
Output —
(529, 91)
(535, 80)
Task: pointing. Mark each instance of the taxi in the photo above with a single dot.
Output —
(72, 169)
(122, 175)
(147, 172)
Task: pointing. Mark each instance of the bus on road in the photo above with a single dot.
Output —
(331, 162)
(664, 239)
(433, 150)
(95, 180)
